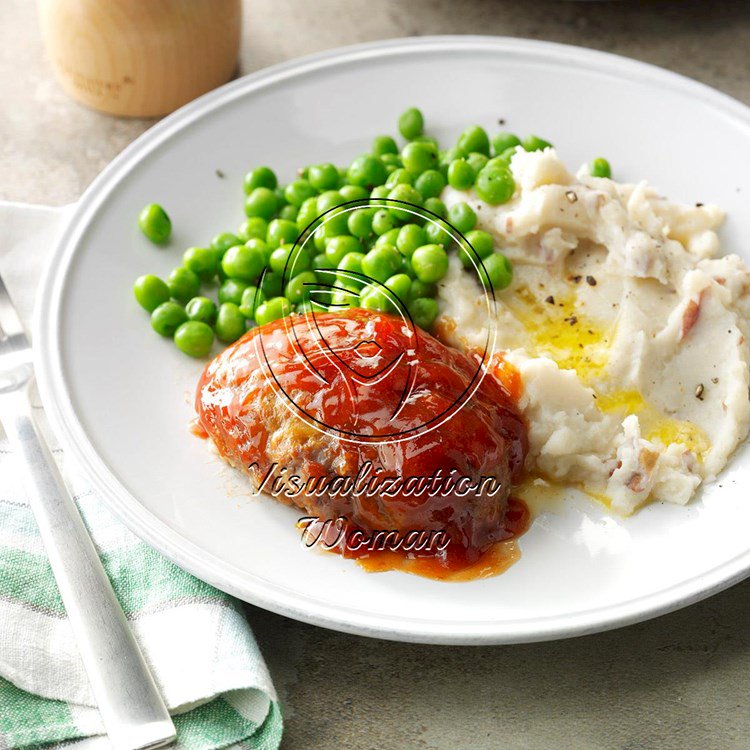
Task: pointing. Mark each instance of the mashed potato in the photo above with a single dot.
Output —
(630, 335)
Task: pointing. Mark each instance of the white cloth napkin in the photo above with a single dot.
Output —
(199, 645)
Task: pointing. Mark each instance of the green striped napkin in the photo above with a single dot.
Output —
(196, 639)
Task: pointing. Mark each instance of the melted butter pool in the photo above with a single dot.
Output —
(563, 332)
(559, 328)
(656, 426)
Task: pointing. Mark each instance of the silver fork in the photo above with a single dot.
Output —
(131, 707)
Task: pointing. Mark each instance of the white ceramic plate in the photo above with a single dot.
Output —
(121, 397)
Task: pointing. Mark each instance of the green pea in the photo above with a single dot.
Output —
(201, 309)
(232, 290)
(600, 168)
(288, 261)
(297, 192)
(155, 223)
(243, 262)
(259, 177)
(281, 232)
(328, 200)
(400, 285)
(321, 264)
(378, 193)
(366, 171)
(477, 161)
(461, 174)
(307, 214)
(392, 161)
(502, 161)
(202, 261)
(474, 138)
(389, 238)
(535, 143)
(436, 206)
(382, 221)
(271, 284)
(341, 297)
(150, 292)
(504, 141)
(354, 192)
(262, 247)
(320, 261)
(351, 263)
(344, 296)
(272, 309)
(418, 157)
(222, 242)
(436, 233)
(251, 299)
(252, 228)
(423, 311)
(430, 263)
(360, 222)
(398, 177)
(167, 318)
(430, 183)
(262, 202)
(381, 262)
(376, 298)
(408, 195)
(406, 267)
(320, 239)
(336, 224)
(422, 289)
(411, 123)
(449, 155)
(183, 284)
(194, 338)
(289, 213)
(497, 271)
(410, 237)
(427, 139)
(495, 185)
(324, 177)
(230, 323)
(384, 144)
(462, 217)
(340, 246)
(298, 288)
(482, 244)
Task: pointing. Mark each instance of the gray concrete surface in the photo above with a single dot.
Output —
(681, 681)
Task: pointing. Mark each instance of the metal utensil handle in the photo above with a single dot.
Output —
(131, 707)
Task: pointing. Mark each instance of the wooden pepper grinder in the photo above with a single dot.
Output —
(141, 58)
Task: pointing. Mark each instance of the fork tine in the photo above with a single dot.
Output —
(10, 323)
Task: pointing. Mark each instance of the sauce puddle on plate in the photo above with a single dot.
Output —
(454, 563)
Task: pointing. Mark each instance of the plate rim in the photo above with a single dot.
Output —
(232, 579)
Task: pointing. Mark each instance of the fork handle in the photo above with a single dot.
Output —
(131, 707)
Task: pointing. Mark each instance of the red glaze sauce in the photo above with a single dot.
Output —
(321, 396)
(456, 563)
